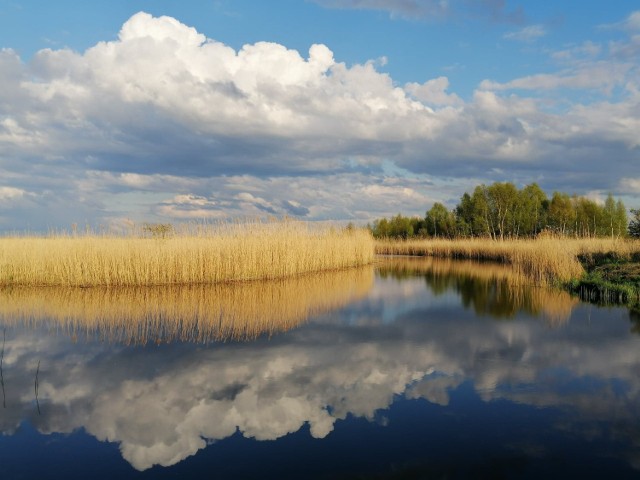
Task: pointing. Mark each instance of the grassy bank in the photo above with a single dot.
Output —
(609, 278)
(219, 253)
(591, 267)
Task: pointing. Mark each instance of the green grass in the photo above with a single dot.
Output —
(608, 279)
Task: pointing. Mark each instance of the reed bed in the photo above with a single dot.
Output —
(219, 253)
(544, 261)
(498, 289)
(194, 313)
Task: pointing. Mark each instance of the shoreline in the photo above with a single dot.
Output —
(598, 270)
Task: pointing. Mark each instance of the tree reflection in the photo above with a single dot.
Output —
(634, 316)
(487, 288)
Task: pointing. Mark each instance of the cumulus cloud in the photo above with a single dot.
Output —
(434, 92)
(150, 123)
(220, 107)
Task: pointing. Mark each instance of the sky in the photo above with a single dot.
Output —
(343, 110)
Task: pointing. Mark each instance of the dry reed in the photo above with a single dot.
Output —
(196, 313)
(544, 261)
(222, 253)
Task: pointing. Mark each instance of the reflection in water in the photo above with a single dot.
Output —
(162, 405)
(198, 313)
(634, 316)
(489, 288)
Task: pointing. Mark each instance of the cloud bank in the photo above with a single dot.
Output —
(165, 123)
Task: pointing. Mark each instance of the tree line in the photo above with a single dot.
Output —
(501, 210)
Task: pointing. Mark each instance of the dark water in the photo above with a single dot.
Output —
(421, 369)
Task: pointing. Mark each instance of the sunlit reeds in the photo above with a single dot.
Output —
(196, 313)
(544, 261)
(219, 253)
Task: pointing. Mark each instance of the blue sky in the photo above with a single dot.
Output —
(159, 110)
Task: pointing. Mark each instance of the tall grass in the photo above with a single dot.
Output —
(219, 253)
(195, 313)
(544, 261)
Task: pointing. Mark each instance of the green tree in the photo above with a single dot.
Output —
(621, 220)
(419, 226)
(380, 228)
(609, 212)
(464, 213)
(634, 224)
(590, 218)
(481, 212)
(400, 227)
(440, 222)
(503, 198)
(561, 214)
(531, 211)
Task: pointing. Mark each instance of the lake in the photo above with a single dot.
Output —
(412, 368)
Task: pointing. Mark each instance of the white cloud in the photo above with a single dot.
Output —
(191, 207)
(120, 130)
(262, 205)
(527, 34)
(587, 49)
(631, 23)
(630, 185)
(598, 75)
(9, 193)
(434, 92)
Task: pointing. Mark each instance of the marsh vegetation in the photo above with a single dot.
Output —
(192, 255)
(545, 261)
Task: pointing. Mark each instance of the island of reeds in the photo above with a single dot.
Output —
(189, 255)
(588, 247)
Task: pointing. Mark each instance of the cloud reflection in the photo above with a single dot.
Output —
(164, 404)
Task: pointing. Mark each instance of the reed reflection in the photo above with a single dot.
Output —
(488, 288)
(162, 405)
(196, 313)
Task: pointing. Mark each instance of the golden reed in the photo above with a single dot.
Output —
(544, 261)
(220, 253)
(195, 313)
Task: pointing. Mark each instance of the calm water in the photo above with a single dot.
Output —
(417, 369)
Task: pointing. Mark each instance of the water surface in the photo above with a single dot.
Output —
(419, 368)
